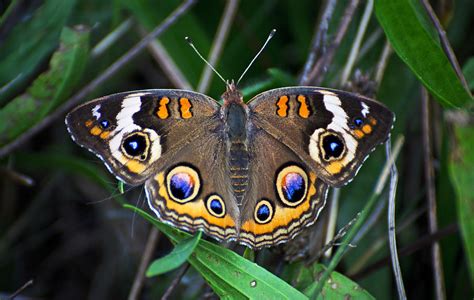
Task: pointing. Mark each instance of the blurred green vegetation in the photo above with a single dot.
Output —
(69, 231)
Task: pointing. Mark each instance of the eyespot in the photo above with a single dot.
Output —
(263, 212)
(332, 146)
(136, 145)
(215, 205)
(358, 122)
(104, 123)
(183, 184)
(292, 185)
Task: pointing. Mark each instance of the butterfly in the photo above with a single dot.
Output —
(256, 173)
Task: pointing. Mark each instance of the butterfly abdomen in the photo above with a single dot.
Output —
(237, 150)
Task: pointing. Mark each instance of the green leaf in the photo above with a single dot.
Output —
(337, 286)
(29, 43)
(229, 275)
(176, 258)
(462, 173)
(468, 71)
(50, 88)
(407, 32)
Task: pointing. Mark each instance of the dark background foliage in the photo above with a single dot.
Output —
(62, 223)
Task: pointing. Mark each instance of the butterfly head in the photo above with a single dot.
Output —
(232, 94)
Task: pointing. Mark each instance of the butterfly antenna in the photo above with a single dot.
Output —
(272, 33)
(190, 42)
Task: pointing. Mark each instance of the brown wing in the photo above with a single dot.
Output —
(332, 131)
(284, 194)
(134, 132)
(193, 190)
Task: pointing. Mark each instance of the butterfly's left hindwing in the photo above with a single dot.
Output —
(333, 131)
(135, 132)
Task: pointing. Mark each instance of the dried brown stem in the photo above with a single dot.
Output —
(438, 275)
(139, 280)
(176, 281)
(319, 39)
(21, 289)
(321, 66)
(445, 43)
(171, 70)
(397, 272)
(122, 61)
(218, 44)
(407, 250)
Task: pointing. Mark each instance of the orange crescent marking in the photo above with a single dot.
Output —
(135, 166)
(304, 111)
(334, 167)
(283, 216)
(358, 133)
(372, 121)
(88, 123)
(195, 208)
(185, 108)
(104, 135)
(95, 130)
(367, 129)
(163, 110)
(282, 110)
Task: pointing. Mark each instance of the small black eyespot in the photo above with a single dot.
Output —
(263, 212)
(333, 146)
(216, 206)
(358, 122)
(135, 145)
(104, 124)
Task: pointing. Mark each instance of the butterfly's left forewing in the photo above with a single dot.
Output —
(333, 131)
(135, 133)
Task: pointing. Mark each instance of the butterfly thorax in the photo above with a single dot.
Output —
(235, 114)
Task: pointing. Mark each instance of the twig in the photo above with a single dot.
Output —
(111, 38)
(397, 272)
(438, 276)
(357, 41)
(369, 43)
(21, 289)
(334, 241)
(331, 224)
(445, 44)
(74, 100)
(175, 281)
(381, 242)
(319, 39)
(407, 250)
(382, 64)
(321, 67)
(171, 70)
(139, 280)
(218, 43)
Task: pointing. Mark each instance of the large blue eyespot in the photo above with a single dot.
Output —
(333, 146)
(215, 205)
(263, 212)
(294, 187)
(181, 185)
(135, 144)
